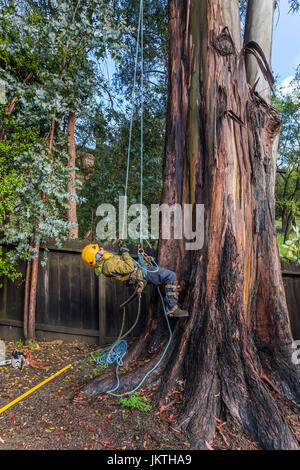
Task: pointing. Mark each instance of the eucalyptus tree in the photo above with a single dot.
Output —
(287, 103)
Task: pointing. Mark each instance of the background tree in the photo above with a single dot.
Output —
(57, 45)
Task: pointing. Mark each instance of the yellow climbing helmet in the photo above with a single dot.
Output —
(89, 252)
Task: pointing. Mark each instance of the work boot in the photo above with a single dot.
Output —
(177, 312)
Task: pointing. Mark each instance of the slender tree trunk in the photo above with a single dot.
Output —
(33, 292)
(72, 216)
(219, 141)
(284, 210)
(288, 226)
(26, 299)
(11, 107)
(259, 28)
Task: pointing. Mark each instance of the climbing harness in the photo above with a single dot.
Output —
(18, 360)
(116, 352)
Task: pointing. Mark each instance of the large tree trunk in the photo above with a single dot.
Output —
(72, 216)
(219, 153)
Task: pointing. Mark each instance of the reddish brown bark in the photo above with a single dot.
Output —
(26, 299)
(219, 141)
(72, 216)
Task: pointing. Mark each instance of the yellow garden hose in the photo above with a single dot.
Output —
(6, 407)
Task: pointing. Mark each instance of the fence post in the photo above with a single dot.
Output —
(102, 309)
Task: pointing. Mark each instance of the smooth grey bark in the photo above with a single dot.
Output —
(259, 28)
(231, 17)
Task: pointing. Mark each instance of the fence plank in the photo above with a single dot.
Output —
(291, 281)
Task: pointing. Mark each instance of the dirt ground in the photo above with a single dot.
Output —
(56, 418)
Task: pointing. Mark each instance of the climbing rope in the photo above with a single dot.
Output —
(142, 123)
(117, 353)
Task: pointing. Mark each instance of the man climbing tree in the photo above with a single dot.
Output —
(236, 346)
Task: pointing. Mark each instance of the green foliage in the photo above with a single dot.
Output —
(294, 5)
(107, 181)
(135, 402)
(7, 266)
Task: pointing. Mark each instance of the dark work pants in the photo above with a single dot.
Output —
(162, 277)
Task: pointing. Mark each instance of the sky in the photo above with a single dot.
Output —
(286, 42)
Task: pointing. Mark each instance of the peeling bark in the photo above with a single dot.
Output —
(31, 292)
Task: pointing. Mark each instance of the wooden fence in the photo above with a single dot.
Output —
(72, 302)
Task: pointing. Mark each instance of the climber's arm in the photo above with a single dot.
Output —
(123, 265)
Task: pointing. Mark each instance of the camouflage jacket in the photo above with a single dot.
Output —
(120, 268)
